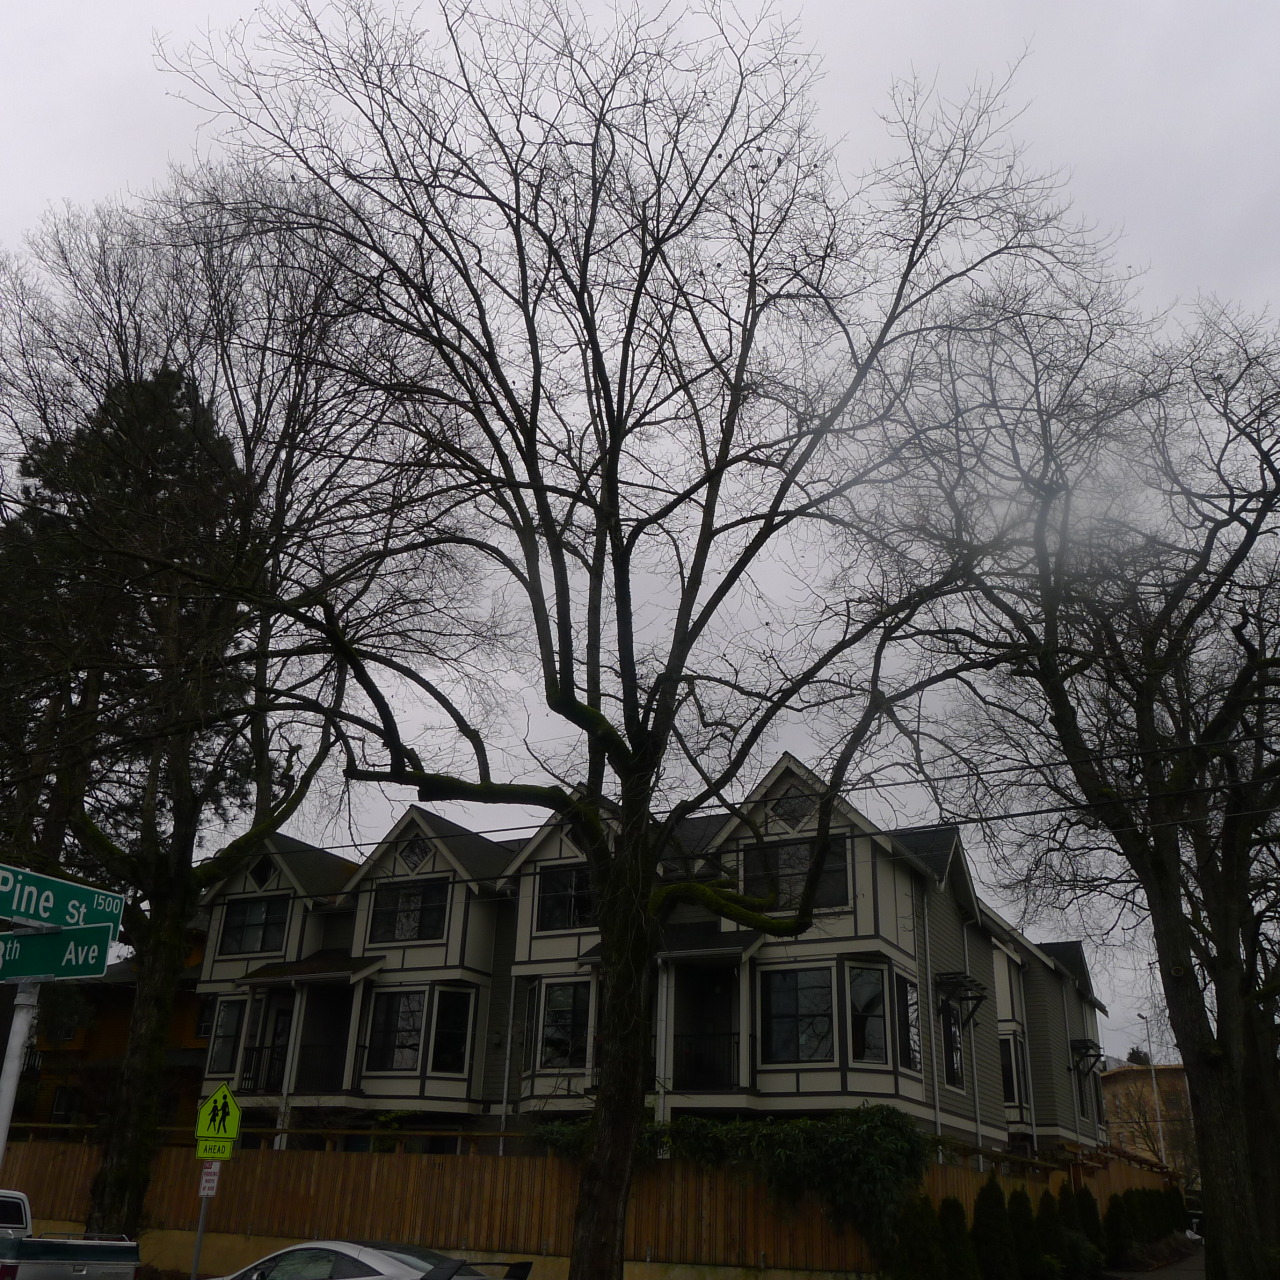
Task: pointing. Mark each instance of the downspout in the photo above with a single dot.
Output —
(281, 1142)
(506, 1065)
(1071, 1070)
(1026, 1058)
(973, 1055)
(928, 1020)
(662, 1048)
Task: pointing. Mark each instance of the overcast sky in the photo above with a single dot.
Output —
(1162, 112)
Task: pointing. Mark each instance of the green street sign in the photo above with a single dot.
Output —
(68, 953)
(217, 1125)
(61, 904)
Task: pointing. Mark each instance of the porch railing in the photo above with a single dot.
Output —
(262, 1069)
(320, 1067)
(708, 1061)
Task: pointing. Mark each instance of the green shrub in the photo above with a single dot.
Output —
(1049, 1231)
(991, 1235)
(916, 1253)
(1119, 1233)
(1032, 1264)
(957, 1247)
(1068, 1208)
(859, 1164)
(1177, 1208)
(1081, 1258)
(1089, 1218)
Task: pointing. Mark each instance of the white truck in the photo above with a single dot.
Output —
(24, 1256)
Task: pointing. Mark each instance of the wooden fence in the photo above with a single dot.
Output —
(679, 1213)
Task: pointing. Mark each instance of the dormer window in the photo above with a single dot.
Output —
(782, 868)
(414, 852)
(254, 924)
(794, 807)
(412, 912)
(565, 899)
(262, 871)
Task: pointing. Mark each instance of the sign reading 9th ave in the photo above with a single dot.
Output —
(30, 898)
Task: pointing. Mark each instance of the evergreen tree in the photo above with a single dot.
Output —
(917, 1252)
(991, 1234)
(1090, 1221)
(1026, 1243)
(1068, 1207)
(957, 1247)
(1118, 1233)
(1049, 1229)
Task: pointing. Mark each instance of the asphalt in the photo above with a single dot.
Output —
(1189, 1268)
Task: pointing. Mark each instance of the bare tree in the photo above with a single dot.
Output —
(194, 473)
(1119, 503)
(658, 341)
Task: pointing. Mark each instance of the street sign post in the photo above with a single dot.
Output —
(217, 1125)
(209, 1178)
(30, 898)
(217, 1128)
(65, 953)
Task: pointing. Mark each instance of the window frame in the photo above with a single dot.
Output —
(951, 1020)
(767, 1017)
(581, 893)
(432, 1039)
(840, 847)
(908, 1037)
(882, 1017)
(217, 1037)
(394, 993)
(583, 984)
(266, 900)
(399, 886)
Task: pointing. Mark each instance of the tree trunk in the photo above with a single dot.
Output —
(624, 1058)
(134, 1112)
(1240, 1227)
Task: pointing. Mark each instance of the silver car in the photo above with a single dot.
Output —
(359, 1260)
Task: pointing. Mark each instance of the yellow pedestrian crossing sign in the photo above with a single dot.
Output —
(217, 1125)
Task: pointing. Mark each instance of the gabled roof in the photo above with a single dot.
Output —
(313, 872)
(940, 851)
(476, 858)
(1070, 955)
(317, 872)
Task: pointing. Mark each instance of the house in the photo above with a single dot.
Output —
(344, 990)
(453, 980)
(81, 1033)
(1149, 1114)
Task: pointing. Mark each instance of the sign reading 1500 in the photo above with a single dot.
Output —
(36, 899)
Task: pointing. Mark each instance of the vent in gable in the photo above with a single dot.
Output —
(793, 806)
(262, 871)
(414, 852)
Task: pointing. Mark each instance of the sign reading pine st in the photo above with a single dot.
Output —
(30, 898)
(65, 953)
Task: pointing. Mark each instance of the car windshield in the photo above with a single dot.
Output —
(414, 1255)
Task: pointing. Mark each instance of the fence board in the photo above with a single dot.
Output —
(679, 1213)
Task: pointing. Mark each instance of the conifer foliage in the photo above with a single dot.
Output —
(992, 1235)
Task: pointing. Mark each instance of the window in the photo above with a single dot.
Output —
(66, 1104)
(908, 1001)
(564, 1024)
(1008, 1078)
(565, 899)
(449, 1040)
(796, 1013)
(225, 1044)
(308, 1264)
(952, 1045)
(783, 868)
(395, 1031)
(254, 924)
(866, 1015)
(409, 912)
(204, 1017)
